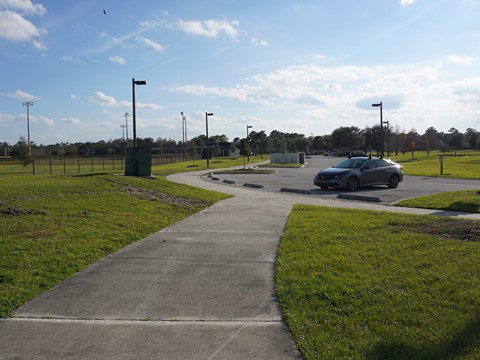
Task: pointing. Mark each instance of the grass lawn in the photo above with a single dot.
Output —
(53, 226)
(373, 285)
(201, 165)
(462, 200)
(465, 165)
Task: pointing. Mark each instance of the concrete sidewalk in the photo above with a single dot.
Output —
(200, 289)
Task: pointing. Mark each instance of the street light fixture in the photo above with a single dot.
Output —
(381, 127)
(135, 82)
(28, 104)
(207, 114)
(248, 152)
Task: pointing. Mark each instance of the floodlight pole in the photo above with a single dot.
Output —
(28, 104)
(207, 114)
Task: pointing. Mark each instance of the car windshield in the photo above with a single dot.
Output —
(350, 164)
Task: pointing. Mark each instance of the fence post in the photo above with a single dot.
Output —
(50, 167)
(92, 164)
(64, 167)
(103, 163)
(33, 167)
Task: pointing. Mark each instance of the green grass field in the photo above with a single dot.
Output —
(54, 226)
(465, 164)
(374, 285)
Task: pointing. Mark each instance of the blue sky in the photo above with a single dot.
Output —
(293, 66)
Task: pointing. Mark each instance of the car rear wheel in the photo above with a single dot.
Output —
(352, 184)
(393, 182)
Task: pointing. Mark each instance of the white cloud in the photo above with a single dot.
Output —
(74, 97)
(16, 28)
(6, 118)
(39, 46)
(20, 95)
(150, 43)
(461, 59)
(325, 97)
(209, 28)
(23, 6)
(105, 100)
(117, 59)
(72, 120)
(260, 43)
(41, 119)
(72, 59)
(405, 3)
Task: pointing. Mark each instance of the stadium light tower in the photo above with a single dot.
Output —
(28, 104)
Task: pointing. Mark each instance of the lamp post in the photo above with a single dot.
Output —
(126, 127)
(207, 114)
(123, 136)
(135, 82)
(388, 138)
(28, 104)
(248, 152)
(381, 127)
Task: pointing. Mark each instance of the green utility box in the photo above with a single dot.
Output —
(138, 161)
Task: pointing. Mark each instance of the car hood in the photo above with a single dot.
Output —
(333, 171)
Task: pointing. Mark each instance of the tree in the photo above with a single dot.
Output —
(471, 138)
(431, 139)
(348, 138)
(456, 139)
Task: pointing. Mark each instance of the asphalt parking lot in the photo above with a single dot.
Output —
(298, 181)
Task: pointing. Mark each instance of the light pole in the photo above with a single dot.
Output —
(123, 136)
(248, 151)
(381, 126)
(388, 138)
(207, 114)
(135, 82)
(126, 127)
(28, 104)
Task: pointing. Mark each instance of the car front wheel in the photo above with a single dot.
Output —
(393, 182)
(352, 184)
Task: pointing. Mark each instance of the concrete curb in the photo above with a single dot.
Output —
(228, 181)
(296, 191)
(359, 197)
(256, 186)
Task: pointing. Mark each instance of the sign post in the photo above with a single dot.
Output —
(440, 159)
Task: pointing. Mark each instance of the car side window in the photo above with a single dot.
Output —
(369, 164)
(381, 163)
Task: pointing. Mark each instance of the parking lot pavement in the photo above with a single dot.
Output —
(301, 179)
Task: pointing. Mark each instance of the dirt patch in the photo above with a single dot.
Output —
(455, 229)
(168, 199)
(20, 212)
(465, 230)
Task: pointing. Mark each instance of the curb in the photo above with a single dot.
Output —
(257, 186)
(359, 197)
(297, 191)
(228, 181)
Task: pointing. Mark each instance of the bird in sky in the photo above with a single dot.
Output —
(104, 12)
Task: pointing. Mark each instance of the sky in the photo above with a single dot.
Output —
(306, 66)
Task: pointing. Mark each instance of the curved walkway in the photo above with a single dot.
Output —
(202, 288)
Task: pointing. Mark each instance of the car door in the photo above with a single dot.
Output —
(368, 171)
(383, 172)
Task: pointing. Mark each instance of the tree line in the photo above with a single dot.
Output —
(341, 140)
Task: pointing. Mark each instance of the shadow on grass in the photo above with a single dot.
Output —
(459, 345)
